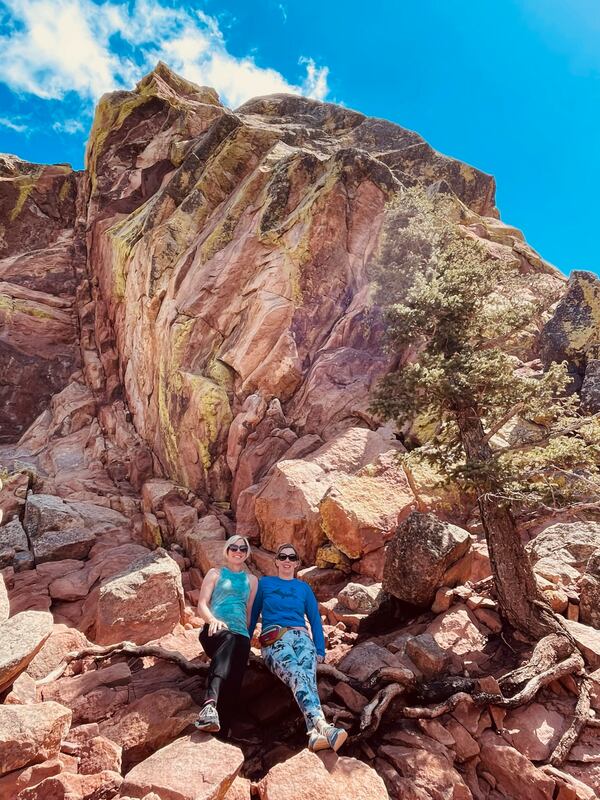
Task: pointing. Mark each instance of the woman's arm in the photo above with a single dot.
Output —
(208, 585)
(256, 609)
(253, 588)
(311, 608)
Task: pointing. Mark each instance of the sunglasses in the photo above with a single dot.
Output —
(287, 557)
(238, 548)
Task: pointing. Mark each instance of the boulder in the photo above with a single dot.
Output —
(140, 604)
(427, 655)
(587, 640)
(194, 767)
(21, 637)
(534, 730)
(590, 388)
(308, 776)
(46, 512)
(13, 539)
(560, 553)
(98, 754)
(93, 695)
(13, 491)
(363, 659)
(457, 634)
(513, 772)
(204, 543)
(418, 556)
(360, 512)
(239, 790)
(62, 640)
(31, 734)
(17, 780)
(360, 598)
(148, 723)
(589, 592)
(428, 771)
(70, 786)
(74, 543)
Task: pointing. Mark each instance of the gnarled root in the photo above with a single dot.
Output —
(547, 653)
(373, 712)
(580, 720)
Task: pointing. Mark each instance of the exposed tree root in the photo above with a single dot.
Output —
(580, 720)
(431, 712)
(373, 712)
(547, 653)
(572, 665)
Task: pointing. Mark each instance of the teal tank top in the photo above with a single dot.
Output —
(230, 598)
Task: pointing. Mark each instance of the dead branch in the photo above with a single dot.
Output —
(512, 412)
(580, 720)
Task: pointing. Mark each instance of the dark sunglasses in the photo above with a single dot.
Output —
(238, 548)
(287, 557)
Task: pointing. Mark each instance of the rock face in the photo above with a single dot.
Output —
(419, 555)
(38, 277)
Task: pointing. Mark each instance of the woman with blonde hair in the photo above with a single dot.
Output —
(284, 602)
(225, 604)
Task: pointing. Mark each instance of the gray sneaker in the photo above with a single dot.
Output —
(335, 736)
(208, 719)
(316, 741)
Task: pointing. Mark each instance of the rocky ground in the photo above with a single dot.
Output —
(187, 349)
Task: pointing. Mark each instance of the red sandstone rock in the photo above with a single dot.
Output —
(67, 786)
(98, 754)
(4, 601)
(195, 767)
(21, 637)
(140, 604)
(307, 776)
(61, 641)
(30, 734)
(514, 773)
(93, 695)
(428, 771)
(149, 723)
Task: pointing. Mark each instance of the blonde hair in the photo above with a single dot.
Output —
(233, 540)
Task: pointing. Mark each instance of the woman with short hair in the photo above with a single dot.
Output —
(225, 604)
(283, 601)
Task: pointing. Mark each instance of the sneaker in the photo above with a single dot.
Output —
(208, 719)
(316, 741)
(335, 736)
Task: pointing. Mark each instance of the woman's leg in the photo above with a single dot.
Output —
(294, 660)
(221, 650)
(230, 690)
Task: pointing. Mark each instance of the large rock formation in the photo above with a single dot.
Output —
(188, 345)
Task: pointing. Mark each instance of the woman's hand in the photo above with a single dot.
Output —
(320, 659)
(215, 626)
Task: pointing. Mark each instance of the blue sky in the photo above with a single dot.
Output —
(510, 86)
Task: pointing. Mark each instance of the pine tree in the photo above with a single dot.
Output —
(454, 319)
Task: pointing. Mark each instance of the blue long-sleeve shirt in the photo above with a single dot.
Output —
(285, 603)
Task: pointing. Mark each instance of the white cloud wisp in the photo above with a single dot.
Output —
(51, 48)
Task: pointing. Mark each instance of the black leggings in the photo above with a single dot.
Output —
(229, 655)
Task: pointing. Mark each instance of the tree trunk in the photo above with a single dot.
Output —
(518, 594)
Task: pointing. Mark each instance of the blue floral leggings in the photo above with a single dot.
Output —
(293, 659)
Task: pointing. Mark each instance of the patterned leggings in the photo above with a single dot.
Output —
(293, 659)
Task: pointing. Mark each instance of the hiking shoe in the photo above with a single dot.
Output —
(335, 736)
(208, 719)
(317, 741)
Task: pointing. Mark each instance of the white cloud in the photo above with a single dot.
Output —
(13, 124)
(68, 126)
(58, 46)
